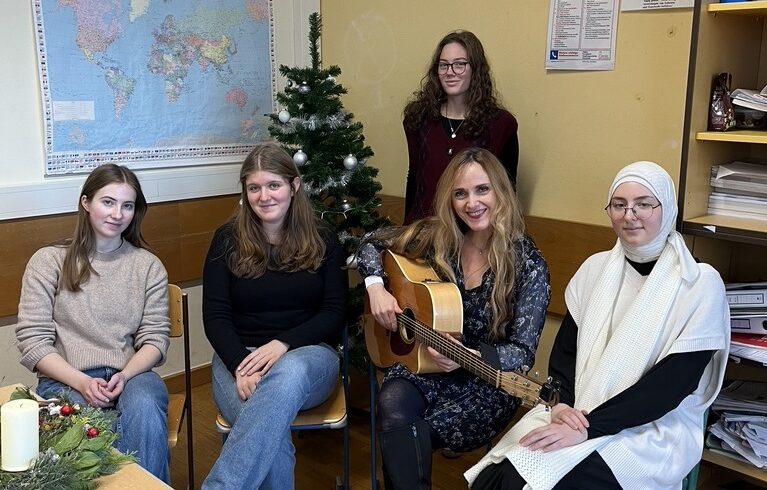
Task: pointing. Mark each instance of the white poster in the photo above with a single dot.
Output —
(581, 34)
(627, 5)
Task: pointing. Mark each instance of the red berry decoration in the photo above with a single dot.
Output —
(65, 411)
(91, 432)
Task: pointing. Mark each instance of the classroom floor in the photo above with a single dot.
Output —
(319, 455)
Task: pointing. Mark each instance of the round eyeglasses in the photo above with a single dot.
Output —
(458, 67)
(641, 210)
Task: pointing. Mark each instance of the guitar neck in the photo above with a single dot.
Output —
(465, 358)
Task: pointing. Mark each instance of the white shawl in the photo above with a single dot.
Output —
(681, 307)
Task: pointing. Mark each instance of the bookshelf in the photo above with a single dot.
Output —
(726, 37)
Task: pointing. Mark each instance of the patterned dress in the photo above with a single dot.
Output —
(465, 411)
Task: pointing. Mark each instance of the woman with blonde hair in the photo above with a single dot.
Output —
(477, 241)
(273, 303)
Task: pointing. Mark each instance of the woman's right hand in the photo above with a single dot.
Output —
(246, 384)
(94, 392)
(383, 306)
(563, 413)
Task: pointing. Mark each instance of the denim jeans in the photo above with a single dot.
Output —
(142, 417)
(259, 452)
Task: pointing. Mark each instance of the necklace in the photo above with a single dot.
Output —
(453, 131)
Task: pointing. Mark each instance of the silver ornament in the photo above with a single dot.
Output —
(283, 116)
(300, 158)
(346, 206)
(304, 88)
(350, 162)
(331, 78)
(351, 261)
(290, 83)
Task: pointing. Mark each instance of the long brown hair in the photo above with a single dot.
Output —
(441, 236)
(77, 267)
(301, 246)
(481, 100)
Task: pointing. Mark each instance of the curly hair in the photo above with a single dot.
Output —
(481, 101)
(302, 247)
(441, 237)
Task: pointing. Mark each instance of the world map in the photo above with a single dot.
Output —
(153, 83)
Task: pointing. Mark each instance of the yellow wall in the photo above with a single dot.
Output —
(576, 128)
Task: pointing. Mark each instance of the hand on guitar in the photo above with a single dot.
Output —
(444, 363)
(383, 306)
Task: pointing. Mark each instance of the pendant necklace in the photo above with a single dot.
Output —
(453, 132)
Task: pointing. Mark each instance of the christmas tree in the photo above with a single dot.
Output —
(329, 149)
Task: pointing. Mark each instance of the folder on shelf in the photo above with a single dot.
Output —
(743, 295)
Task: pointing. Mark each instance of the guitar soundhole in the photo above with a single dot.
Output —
(403, 344)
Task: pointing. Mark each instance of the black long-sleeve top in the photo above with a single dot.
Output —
(657, 392)
(298, 308)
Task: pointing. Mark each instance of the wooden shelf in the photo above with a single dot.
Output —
(745, 469)
(742, 136)
(727, 228)
(740, 8)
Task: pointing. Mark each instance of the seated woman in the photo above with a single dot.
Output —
(93, 316)
(640, 354)
(477, 241)
(273, 299)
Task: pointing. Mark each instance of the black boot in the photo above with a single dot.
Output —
(406, 454)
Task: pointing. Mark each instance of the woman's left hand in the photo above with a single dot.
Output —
(552, 437)
(261, 359)
(444, 363)
(115, 386)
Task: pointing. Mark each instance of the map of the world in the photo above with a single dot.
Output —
(153, 83)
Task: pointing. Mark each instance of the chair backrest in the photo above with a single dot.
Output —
(175, 310)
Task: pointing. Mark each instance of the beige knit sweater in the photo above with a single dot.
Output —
(120, 309)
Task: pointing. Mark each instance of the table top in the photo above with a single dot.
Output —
(130, 476)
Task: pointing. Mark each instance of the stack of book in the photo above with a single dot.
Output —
(741, 429)
(750, 98)
(739, 189)
(748, 320)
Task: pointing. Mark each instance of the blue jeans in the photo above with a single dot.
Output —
(259, 452)
(142, 420)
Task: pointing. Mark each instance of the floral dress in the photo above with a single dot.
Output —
(464, 410)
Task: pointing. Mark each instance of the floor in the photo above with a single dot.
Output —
(319, 456)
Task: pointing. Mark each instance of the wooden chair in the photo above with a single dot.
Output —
(180, 404)
(332, 414)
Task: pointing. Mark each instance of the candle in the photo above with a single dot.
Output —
(20, 434)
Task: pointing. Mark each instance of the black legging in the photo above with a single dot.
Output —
(400, 404)
(590, 474)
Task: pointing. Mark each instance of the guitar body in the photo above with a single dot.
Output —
(423, 297)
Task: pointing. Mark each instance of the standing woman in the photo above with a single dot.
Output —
(477, 241)
(455, 108)
(273, 299)
(93, 316)
(640, 354)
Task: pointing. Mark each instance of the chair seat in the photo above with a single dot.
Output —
(330, 414)
(176, 402)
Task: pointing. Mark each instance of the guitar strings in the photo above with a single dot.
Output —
(471, 360)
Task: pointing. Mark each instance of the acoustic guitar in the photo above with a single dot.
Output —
(432, 309)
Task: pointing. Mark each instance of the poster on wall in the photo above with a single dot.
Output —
(581, 34)
(152, 83)
(628, 5)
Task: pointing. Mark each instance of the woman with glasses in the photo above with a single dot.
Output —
(455, 108)
(640, 356)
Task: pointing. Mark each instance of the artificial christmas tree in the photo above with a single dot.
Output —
(329, 149)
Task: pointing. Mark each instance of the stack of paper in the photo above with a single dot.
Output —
(741, 430)
(752, 347)
(750, 98)
(739, 189)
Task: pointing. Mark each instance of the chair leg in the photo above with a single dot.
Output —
(373, 387)
(346, 457)
(190, 443)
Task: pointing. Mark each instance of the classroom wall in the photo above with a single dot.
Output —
(576, 129)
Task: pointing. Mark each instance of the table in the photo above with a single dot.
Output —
(129, 476)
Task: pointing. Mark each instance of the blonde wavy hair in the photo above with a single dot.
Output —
(441, 236)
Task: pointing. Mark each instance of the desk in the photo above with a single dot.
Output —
(129, 476)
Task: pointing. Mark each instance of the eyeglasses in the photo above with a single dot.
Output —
(641, 210)
(459, 67)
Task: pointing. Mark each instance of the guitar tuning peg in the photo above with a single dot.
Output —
(525, 368)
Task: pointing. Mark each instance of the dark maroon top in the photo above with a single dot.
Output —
(431, 147)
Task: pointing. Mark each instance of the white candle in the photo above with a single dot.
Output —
(20, 434)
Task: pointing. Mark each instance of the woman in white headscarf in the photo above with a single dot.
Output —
(640, 354)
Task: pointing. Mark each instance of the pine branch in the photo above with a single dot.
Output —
(315, 29)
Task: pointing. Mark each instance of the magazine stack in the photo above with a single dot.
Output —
(739, 189)
(741, 429)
